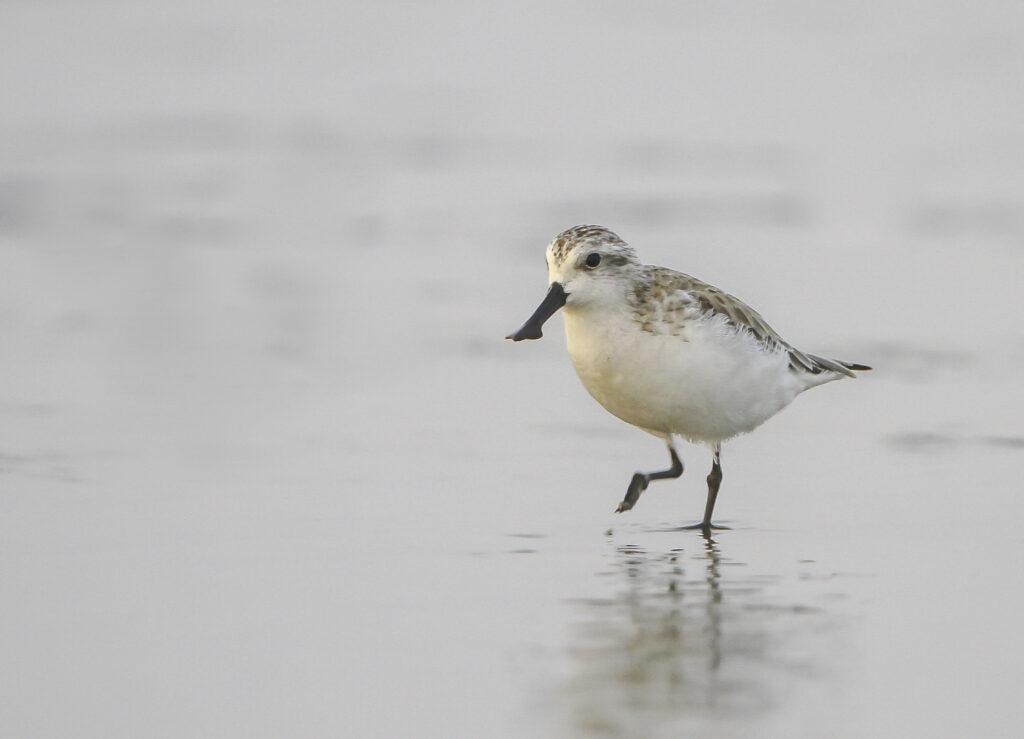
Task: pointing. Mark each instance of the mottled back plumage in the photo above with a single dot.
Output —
(674, 298)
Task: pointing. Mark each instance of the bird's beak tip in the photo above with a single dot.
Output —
(554, 300)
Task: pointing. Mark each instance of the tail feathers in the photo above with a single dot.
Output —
(836, 365)
(813, 364)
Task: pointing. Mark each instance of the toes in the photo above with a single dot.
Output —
(705, 527)
(636, 486)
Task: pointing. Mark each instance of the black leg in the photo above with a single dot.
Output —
(714, 482)
(641, 480)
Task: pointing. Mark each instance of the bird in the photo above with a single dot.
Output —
(669, 353)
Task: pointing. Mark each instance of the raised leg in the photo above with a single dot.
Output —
(714, 482)
(641, 480)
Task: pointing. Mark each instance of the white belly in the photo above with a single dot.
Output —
(708, 384)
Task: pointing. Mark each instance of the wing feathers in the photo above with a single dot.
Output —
(661, 283)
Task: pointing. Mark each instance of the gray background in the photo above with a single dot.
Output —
(267, 467)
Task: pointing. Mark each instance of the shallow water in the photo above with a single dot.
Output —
(268, 468)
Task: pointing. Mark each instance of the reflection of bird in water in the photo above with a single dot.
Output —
(654, 649)
(668, 353)
(714, 602)
(674, 646)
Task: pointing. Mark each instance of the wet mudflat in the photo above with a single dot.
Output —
(268, 468)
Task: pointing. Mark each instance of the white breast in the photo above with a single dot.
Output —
(708, 383)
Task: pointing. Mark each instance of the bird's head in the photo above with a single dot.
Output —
(585, 264)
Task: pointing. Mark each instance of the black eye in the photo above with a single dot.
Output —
(593, 260)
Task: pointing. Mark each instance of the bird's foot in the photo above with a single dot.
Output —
(636, 486)
(705, 526)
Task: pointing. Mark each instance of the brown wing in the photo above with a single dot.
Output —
(714, 301)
